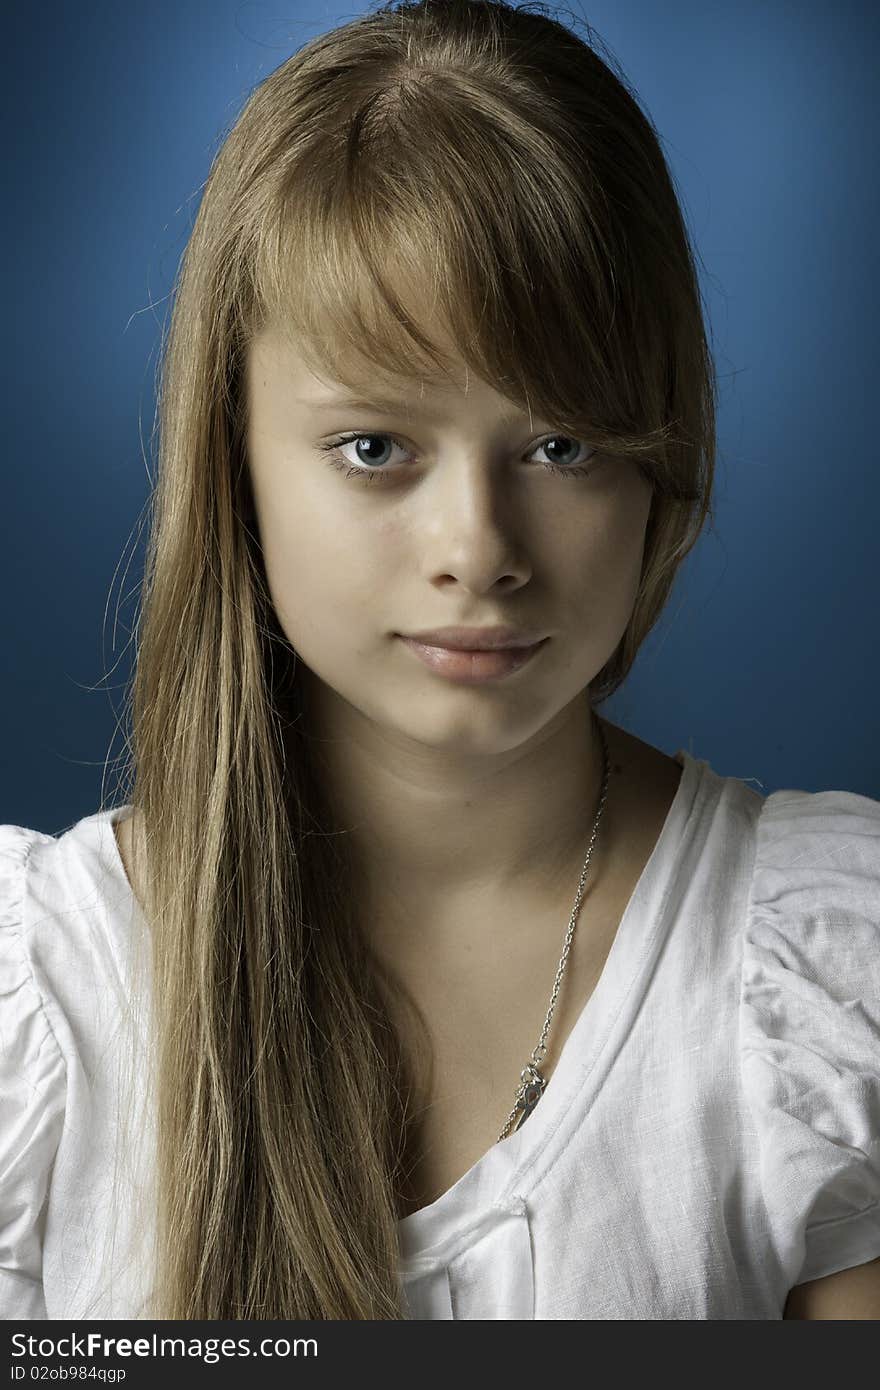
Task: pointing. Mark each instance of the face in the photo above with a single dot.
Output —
(443, 510)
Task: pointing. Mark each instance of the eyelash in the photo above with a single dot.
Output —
(367, 475)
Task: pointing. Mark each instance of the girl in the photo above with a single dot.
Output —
(403, 985)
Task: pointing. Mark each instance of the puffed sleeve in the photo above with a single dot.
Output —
(810, 1027)
(32, 1095)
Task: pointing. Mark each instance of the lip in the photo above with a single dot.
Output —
(475, 639)
(475, 666)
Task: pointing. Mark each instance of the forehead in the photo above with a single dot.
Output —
(320, 363)
(277, 361)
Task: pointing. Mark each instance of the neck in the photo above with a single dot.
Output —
(450, 834)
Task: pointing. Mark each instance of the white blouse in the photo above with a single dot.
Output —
(709, 1137)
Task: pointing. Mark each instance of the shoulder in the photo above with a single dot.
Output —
(810, 1024)
(814, 908)
(67, 912)
(832, 832)
(33, 1085)
(18, 844)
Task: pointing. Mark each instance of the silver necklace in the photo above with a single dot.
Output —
(532, 1082)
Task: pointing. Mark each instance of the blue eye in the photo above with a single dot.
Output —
(368, 474)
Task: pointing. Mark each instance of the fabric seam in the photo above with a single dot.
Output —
(843, 1220)
(740, 1048)
(18, 930)
(522, 1175)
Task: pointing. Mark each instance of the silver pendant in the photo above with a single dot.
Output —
(530, 1092)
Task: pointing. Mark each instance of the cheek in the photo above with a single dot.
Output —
(324, 568)
(623, 543)
(598, 557)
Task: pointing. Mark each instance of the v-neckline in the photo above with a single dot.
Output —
(522, 1159)
(519, 1162)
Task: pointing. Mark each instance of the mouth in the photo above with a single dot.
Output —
(473, 666)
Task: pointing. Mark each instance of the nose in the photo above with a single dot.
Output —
(472, 534)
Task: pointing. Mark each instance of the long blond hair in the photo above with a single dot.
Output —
(490, 152)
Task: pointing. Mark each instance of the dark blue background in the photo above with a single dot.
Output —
(766, 661)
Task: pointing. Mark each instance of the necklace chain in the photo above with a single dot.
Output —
(532, 1082)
